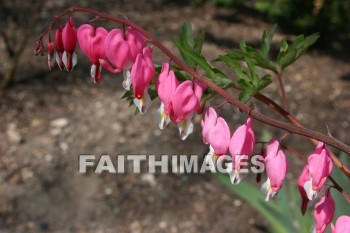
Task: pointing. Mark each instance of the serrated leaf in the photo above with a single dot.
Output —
(198, 44)
(254, 55)
(288, 58)
(266, 40)
(186, 34)
(284, 45)
(233, 64)
(264, 82)
(181, 46)
(296, 49)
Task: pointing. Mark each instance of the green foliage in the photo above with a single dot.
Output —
(249, 81)
(281, 213)
(290, 53)
(190, 49)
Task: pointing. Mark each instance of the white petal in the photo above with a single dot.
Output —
(127, 80)
(93, 72)
(49, 60)
(64, 59)
(267, 190)
(210, 159)
(144, 103)
(162, 118)
(58, 60)
(74, 60)
(311, 194)
(185, 128)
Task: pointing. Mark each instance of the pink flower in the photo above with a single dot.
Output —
(276, 167)
(166, 85)
(208, 122)
(69, 40)
(324, 212)
(122, 50)
(219, 140)
(179, 101)
(342, 225)
(241, 148)
(185, 103)
(136, 43)
(50, 54)
(141, 76)
(91, 42)
(59, 47)
(304, 177)
(320, 167)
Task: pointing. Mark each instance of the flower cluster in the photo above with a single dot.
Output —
(216, 134)
(127, 51)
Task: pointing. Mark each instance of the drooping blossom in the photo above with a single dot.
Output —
(51, 54)
(320, 167)
(92, 43)
(276, 167)
(324, 212)
(69, 41)
(179, 101)
(241, 148)
(208, 122)
(166, 85)
(141, 76)
(59, 47)
(121, 51)
(304, 177)
(217, 134)
(185, 104)
(342, 225)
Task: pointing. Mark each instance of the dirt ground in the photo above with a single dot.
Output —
(48, 120)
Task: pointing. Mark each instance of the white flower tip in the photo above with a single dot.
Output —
(162, 119)
(311, 194)
(127, 81)
(185, 128)
(267, 190)
(144, 103)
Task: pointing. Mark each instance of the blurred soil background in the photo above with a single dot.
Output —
(48, 119)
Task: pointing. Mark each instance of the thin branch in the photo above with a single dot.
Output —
(283, 92)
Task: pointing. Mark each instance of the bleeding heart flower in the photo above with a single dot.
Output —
(121, 51)
(219, 139)
(50, 54)
(185, 103)
(320, 167)
(166, 85)
(304, 177)
(324, 212)
(59, 47)
(208, 122)
(241, 148)
(342, 225)
(276, 167)
(69, 40)
(141, 76)
(92, 43)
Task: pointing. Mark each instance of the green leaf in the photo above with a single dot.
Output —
(198, 44)
(266, 40)
(264, 82)
(181, 45)
(186, 34)
(289, 54)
